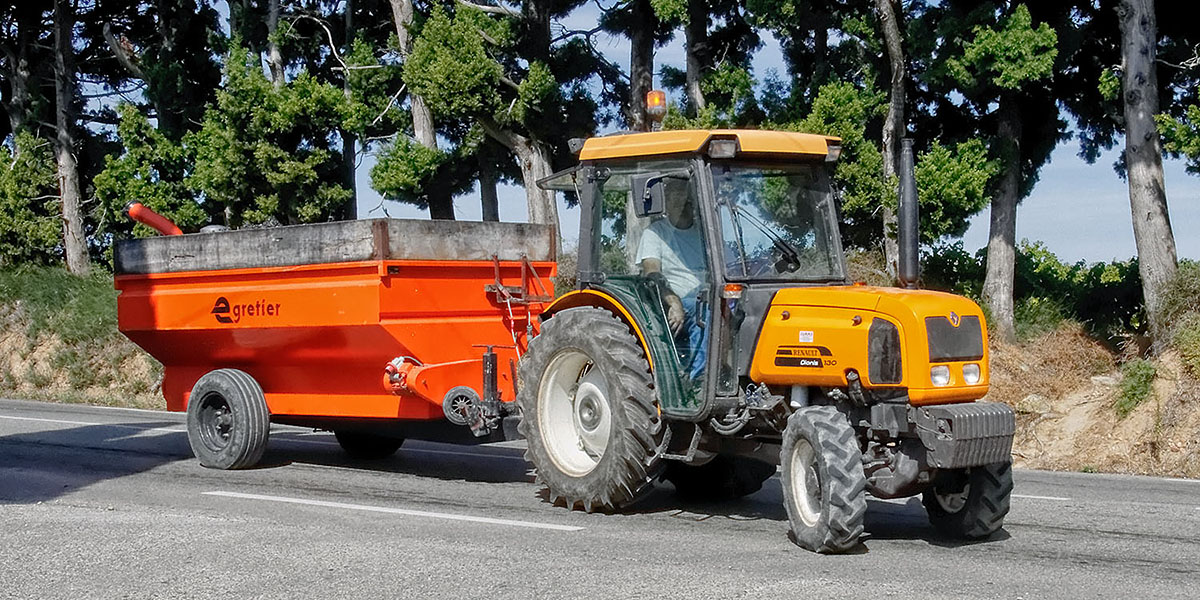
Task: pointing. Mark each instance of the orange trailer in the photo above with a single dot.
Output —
(377, 329)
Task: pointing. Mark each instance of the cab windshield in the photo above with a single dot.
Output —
(777, 222)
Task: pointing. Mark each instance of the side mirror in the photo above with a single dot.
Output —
(648, 196)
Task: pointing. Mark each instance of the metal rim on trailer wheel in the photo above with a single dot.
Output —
(216, 422)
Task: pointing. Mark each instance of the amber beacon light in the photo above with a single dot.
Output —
(656, 108)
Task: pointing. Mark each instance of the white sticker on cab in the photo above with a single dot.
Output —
(806, 337)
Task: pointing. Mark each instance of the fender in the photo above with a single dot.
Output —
(634, 305)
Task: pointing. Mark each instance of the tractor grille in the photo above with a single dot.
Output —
(948, 343)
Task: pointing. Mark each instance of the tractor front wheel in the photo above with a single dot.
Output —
(588, 412)
(227, 420)
(970, 503)
(824, 488)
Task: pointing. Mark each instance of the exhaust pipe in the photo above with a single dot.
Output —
(908, 236)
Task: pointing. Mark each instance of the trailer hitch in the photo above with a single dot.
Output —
(487, 414)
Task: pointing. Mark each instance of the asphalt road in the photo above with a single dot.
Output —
(109, 503)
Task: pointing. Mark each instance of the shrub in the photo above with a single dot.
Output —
(1185, 338)
(1037, 316)
(1182, 293)
(1137, 377)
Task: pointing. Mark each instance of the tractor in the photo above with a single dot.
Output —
(759, 351)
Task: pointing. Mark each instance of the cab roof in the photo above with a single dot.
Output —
(754, 141)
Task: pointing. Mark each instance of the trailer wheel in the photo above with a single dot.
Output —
(588, 411)
(824, 488)
(970, 503)
(367, 446)
(723, 478)
(227, 418)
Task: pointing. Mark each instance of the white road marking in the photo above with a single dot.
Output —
(395, 511)
(1057, 498)
(1180, 480)
(88, 424)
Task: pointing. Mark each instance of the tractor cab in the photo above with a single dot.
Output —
(699, 223)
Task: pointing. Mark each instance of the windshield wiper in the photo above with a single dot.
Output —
(790, 254)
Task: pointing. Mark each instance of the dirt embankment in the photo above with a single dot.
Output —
(111, 371)
(1064, 386)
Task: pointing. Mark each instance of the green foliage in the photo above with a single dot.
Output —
(265, 152)
(76, 309)
(952, 185)
(1181, 136)
(1006, 57)
(1109, 85)
(1181, 295)
(729, 101)
(1185, 339)
(1137, 379)
(674, 11)
(152, 171)
(450, 66)
(841, 109)
(1106, 297)
(1036, 316)
(30, 228)
(404, 169)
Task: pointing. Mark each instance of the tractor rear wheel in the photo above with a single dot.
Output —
(227, 420)
(970, 503)
(725, 477)
(588, 412)
(367, 446)
(824, 488)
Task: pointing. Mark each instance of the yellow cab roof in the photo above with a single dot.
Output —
(755, 141)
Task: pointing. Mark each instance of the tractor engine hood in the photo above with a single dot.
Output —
(931, 344)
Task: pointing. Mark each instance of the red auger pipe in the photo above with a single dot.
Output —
(142, 214)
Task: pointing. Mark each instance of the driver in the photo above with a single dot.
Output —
(671, 254)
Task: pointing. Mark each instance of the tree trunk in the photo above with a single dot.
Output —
(349, 140)
(19, 74)
(1157, 261)
(1001, 255)
(641, 62)
(488, 199)
(441, 205)
(696, 40)
(74, 244)
(893, 126)
(274, 56)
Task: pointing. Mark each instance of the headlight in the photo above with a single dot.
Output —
(971, 374)
(940, 375)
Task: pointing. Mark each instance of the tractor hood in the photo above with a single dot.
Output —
(813, 335)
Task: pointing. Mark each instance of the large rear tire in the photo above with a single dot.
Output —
(588, 412)
(227, 419)
(824, 488)
(723, 478)
(970, 503)
(367, 446)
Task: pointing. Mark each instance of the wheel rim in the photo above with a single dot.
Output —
(806, 482)
(952, 502)
(574, 414)
(216, 421)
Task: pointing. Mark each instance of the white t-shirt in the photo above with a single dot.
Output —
(681, 252)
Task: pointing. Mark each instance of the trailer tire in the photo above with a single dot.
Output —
(970, 503)
(367, 446)
(227, 420)
(588, 411)
(824, 488)
(725, 477)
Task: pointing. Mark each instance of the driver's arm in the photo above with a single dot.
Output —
(652, 270)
